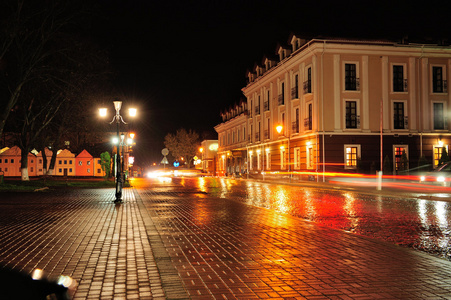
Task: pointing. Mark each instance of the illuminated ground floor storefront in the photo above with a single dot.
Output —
(305, 156)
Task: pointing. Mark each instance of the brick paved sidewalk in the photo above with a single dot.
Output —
(82, 234)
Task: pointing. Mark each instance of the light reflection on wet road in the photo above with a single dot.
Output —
(415, 223)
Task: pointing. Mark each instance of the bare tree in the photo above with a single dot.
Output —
(183, 144)
(28, 32)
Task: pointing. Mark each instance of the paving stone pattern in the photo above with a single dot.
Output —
(82, 234)
(167, 241)
(227, 250)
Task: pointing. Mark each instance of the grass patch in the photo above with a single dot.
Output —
(32, 185)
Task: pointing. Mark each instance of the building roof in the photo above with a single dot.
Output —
(14, 151)
(84, 154)
(65, 153)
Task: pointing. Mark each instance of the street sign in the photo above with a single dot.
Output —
(164, 161)
(165, 151)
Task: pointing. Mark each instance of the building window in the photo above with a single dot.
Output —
(438, 81)
(282, 158)
(89, 170)
(438, 150)
(401, 164)
(12, 160)
(398, 115)
(70, 170)
(282, 94)
(65, 162)
(295, 89)
(80, 163)
(297, 158)
(399, 83)
(60, 170)
(439, 119)
(295, 124)
(309, 157)
(352, 119)
(352, 154)
(308, 121)
(88, 163)
(31, 169)
(351, 80)
(308, 82)
(60, 162)
(0, 160)
(6, 160)
(259, 160)
(40, 161)
(268, 160)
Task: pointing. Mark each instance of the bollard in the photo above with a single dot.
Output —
(379, 180)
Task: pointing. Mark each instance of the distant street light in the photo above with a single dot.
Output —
(118, 118)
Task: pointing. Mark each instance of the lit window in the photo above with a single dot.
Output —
(438, 150)
(352, 154)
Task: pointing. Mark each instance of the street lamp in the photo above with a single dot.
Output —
(118, 118)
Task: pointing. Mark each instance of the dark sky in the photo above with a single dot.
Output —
(184, 61)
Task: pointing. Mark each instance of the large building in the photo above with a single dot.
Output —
(340, 105)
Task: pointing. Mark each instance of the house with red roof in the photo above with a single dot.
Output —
(84, 164)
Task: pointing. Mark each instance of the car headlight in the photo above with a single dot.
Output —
(440, 179)
(422, 178)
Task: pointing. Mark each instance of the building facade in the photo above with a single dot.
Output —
(345, 105)
(67, 164)
(10, 162)
(209, 150)
(233, 137)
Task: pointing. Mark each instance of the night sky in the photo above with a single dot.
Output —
(183, 62)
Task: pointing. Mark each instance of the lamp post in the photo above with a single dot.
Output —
(118, 119)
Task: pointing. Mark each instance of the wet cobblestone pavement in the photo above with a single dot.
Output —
(410, 220)
(230, 250)
(183, 239)
(82, 234)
